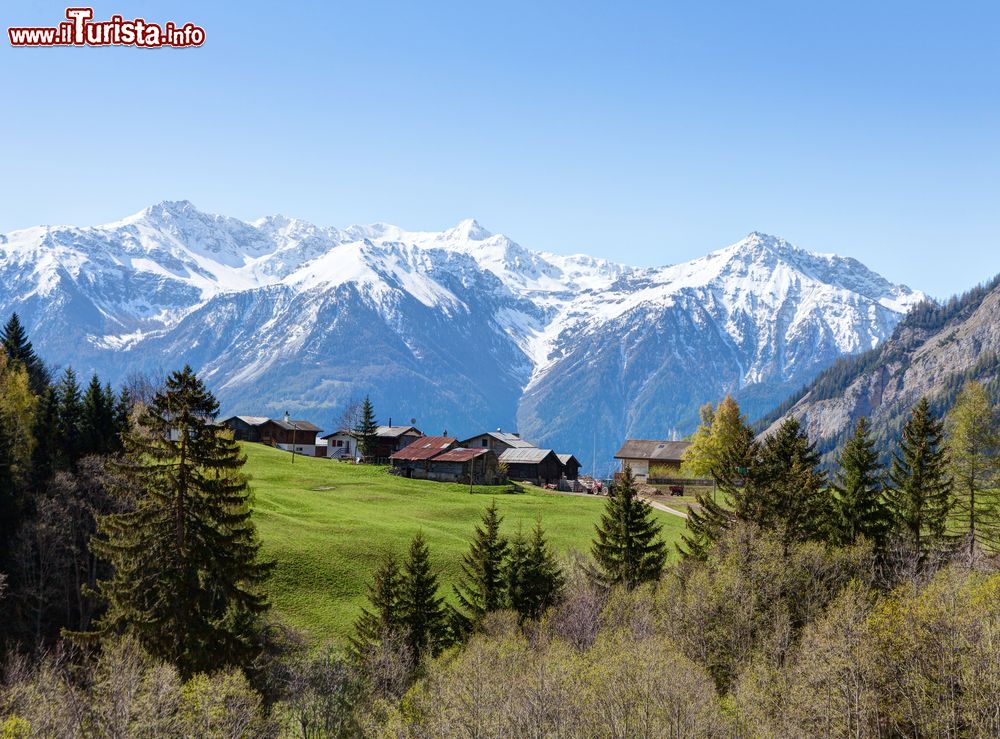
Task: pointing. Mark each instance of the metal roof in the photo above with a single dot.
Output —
(528, 455)
(345, 432)
(565, 458)
(295, 424)
(512, 440)
(672, 451)
(460, 455)
(250, 420)
(425, 447)
(395, 431)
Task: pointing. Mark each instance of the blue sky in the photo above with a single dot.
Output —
(645, 132)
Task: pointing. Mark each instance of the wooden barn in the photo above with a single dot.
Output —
(651, 458)
(540, 466)
(499, 441)
(245, 428)
(391, 439)
(475, 466)
(415, 459)
(571, 466)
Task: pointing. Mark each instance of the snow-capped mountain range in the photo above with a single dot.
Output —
(460, 329)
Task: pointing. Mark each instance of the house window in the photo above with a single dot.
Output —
(486, 442)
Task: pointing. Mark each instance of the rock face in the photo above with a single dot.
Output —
(932, 353)
(460, 329)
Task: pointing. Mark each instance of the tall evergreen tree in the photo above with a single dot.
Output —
(97, 431)
(973, 444)
(785, 491)
(18, 348)
(481, 588)
(17, 415)
(187, 577)
(422, 611)
(366, 429)
(859, 507)
(70, 426)
(628, 549)
(920, 491)
(534, 580)
(45, 456)
(386, 614)
(733, 453)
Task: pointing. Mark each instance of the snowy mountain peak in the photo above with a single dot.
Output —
(468, 229)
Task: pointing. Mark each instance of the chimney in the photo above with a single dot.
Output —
(498, 430)
(390, 420)
(444, 433)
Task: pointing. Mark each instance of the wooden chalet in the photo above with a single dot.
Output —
(391, 439)
(571, 466)
(652, 459)
(245, 428)
(499, 441)
(288, 433)
(414, 459)
(539, 466)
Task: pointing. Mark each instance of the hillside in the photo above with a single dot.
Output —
(327, 524)
(932, 352)
(461, 329)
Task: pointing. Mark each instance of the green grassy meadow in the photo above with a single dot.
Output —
(327, 524)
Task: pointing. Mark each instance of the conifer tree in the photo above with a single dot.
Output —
(366, 429)
(628, 549)
(97, 430)
(422, 611)
(70, 423)
(45, 456)
(785, 491)
(385, 615)
(534, 580)
(481, 587)
(187, 578)
(18, 348)
(973, 445)
(17, 415)
(920, 492)
(859, 507)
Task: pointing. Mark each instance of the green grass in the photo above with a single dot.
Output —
(327, 524)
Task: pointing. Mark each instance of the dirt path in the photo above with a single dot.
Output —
(659, 506)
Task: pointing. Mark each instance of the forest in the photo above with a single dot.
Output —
(863, 601)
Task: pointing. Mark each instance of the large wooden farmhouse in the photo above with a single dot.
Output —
(287, 433)
(390, 439)
(652, 459)
(440, 458)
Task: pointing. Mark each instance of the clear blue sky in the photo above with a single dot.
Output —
(645, 132)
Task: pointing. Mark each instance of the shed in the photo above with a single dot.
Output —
(540, 466)
(571, 466)
(414, 459)
(475, 466)
(650, 458)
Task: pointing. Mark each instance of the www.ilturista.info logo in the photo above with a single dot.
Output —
(81, 30)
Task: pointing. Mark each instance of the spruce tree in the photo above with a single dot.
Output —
(785, 490)
(859, 507)
(17, 415)
(422, 611)
(628, 549)
(18, 348)
(97, 430)
(973, 444)
(70, 425)
(187, 577)
(481, 587)
(920, 492)
(45, 455)
(385, 616)
(534, 580)
(366, 429)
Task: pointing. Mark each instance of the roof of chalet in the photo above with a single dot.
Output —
(424, 448)
(460, 455)
(295, 424)
(672, 451)
(565, 458)
(525, 455)
(249, 420)
(345, 432)
(393, 432)
(511, 440)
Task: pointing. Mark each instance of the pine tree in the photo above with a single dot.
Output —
(122, 416)
(481, 587)
(973, 445)
(628, 549)
(385, 616)
(733, 455)
(920, 492)
(18, 348)
(17, 415)
(859, 507)
(187, 578)
(422, 611)
(785, 491)
(366, 429)
(534, 580)
(69, 427)
(45, 456)
(96, 420)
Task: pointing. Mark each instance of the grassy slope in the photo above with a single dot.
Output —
(327, 524)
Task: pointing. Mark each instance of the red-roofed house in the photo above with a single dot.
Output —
(439, 458)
